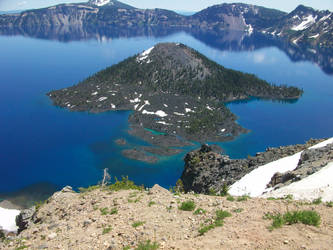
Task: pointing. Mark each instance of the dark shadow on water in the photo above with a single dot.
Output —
(254, 99)
(28, 196)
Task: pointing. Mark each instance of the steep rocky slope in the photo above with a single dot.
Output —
(207, 171)
(122, 219)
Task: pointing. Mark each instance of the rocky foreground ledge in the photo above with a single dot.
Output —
(102, 218)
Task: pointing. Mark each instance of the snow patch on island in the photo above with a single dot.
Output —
(159, 113)
(7, 219)
(103, 98)
(144, 55)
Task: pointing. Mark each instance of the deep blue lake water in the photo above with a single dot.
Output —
(43, 143)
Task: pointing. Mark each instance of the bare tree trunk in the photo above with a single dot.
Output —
(106, 177)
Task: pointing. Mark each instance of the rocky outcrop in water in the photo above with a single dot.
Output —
(206, 170)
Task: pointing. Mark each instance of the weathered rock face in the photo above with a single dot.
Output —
(206, 170)
(26, 218)
(311, 161)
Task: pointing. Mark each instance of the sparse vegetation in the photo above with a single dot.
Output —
(89, 189)
(307, 217)
(230, 198)
(21, 247)
(288, 197)
(151, 203)
(179, 188)
(104, 211)
(39, 204)
(106, 230)
(187, 206)
(137, 223)
(124, 184)
(212, 192)
(114, 211)
(148, 245)
(225, 190)
(317, 201)
(329, 204)
(243, 198)
(2, 235)
(217, 222)
(199, 211)
(238, 210)
(221, 214)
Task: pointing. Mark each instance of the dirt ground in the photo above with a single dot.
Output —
(115, 220)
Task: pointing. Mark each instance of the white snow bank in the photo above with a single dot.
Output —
(325, 17)
(101, 2)
(309, 20)
(255, 182)
(159, 113)
(103, 98)
(319, 184)
(7, 219)
(144, 55)
(315, 36)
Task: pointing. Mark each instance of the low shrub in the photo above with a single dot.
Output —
(138, 223)
(187, 206)
(307, 217)
(199, 211)
(148, 245)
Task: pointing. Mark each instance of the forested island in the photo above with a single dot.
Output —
(176, 94)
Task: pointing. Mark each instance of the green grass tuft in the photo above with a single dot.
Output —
(317, 201)
(220, 214)
(218, 222)
(329, 204)
(124, 184)
(199, 211)
(243, 198)
(104, 211)
(148, 245)
(114, 211)
(206, 228)
(230, 198)
(106, 230)
(138, 223)
(307, 217)
(151, 203)
(187, 206)
(238, 210)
